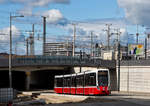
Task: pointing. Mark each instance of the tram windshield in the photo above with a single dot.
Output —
(103, 78)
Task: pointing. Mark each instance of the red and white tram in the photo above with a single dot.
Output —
(88, 83)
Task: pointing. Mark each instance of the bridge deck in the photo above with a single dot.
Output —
(57, 61)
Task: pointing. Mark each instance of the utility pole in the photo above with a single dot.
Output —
(91, 44)
(32, 41)
(118, 41)
(74, 39)
(118, 57)
(27, 46)
(148, 41)
(137, 35)
(108, 36)
(118, 35)
(127, 54)
(118, 66)
(67, 47)
(83, 53)
(16, 48)
(10, 54)
(80, 61)
(145, 48)
(44, 33)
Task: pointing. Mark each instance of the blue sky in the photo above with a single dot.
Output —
(91, 9)
(77, 10)
(89, 15)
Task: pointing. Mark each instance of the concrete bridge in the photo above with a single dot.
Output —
(39, 71)
(57, 61)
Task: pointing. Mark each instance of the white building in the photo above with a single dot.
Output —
(58, 49)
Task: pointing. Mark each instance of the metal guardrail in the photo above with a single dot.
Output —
(57, 61)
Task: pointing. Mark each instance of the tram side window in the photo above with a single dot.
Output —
(73, 81)
(90, 79)
(80, 80)
(93, 79)
(86, 80)
(64, 82)
(68, 81)
(59, 82)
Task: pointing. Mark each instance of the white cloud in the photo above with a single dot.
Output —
(46, 2)
(1, 1)
(26, 11)
(39, 2)
(5, 33)
(136, 11)
(29, 5)
(5, 36)
(98, 26)
(53, 16)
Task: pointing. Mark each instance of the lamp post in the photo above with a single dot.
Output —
(10, 50)
(74, 39)
(44, 33)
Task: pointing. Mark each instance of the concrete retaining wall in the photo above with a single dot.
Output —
(135, 78)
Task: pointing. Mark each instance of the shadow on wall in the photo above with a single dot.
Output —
(113, 79)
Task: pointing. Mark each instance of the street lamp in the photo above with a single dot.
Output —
(74, 39)
(10, 50)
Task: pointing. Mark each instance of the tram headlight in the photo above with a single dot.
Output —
(98, 87)
(103, 88)
(109, 88)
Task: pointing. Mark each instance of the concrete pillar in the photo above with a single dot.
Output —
(28, 75)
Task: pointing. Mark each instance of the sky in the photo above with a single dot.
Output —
(88, 15)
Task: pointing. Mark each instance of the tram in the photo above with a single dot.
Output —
(95, 82)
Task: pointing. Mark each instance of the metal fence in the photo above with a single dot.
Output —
(58, 61)
(7, 95)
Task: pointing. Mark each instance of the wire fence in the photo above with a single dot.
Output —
(7, 95)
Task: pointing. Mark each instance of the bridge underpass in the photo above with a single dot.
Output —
(31, 80)
(18, 78)
(44, 79)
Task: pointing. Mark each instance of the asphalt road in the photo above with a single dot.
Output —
(121, 103)
(115, 99)
(112, 103)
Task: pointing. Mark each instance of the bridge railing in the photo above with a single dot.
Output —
(57, 61)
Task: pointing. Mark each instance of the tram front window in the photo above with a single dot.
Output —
(103, 78)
